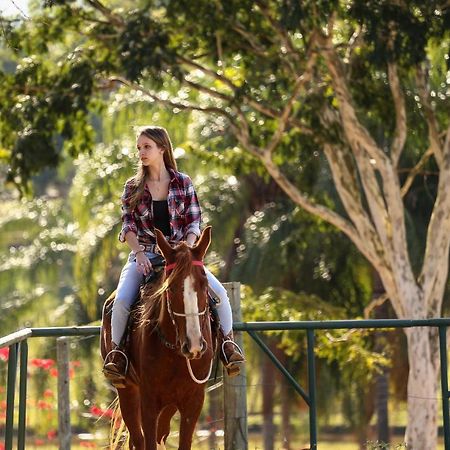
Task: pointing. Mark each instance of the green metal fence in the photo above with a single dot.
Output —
(18, 351)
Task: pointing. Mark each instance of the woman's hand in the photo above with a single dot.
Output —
(143, 264)
(191, 238)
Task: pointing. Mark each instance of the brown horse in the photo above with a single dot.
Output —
(170, 350)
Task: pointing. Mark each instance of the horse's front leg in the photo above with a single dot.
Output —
(189, 414)
(130, 406)
(149, 419)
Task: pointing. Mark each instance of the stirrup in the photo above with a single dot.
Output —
(108, 356)
(229, 364)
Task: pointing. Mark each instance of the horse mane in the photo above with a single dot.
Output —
(152, 294)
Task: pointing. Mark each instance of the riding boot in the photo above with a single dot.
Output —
(230, 353)
(115, 366)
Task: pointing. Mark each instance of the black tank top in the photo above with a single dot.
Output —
(161, 216)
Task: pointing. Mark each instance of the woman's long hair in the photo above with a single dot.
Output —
(161, 137)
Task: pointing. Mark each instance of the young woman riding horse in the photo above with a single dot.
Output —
(159, 197)
(171, 349)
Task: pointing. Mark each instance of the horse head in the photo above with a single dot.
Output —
(186, 297)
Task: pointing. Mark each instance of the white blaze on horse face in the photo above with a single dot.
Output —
(192, 318)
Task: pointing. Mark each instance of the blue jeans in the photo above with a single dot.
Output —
(128, 288)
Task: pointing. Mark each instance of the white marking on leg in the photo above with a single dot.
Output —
(192, 320)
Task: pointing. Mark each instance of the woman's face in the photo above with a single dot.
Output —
(149, 152)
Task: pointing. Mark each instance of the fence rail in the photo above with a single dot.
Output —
(18, 352)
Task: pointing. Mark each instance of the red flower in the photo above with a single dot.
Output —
(39, 442)
(2, 446)
(4, 354)
(49, 393)
(54, 372)
(75, 363)
(40, 363)
(3, 404)
(51, 434)
(41, 404)
(96, 411)
(99, 412)
(88, 444)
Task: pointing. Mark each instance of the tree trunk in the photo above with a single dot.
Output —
(381, 405)
(268, 381)
(421, 432)
(286, 402)
(382, 378)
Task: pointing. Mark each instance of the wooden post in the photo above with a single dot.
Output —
(235, 389)
(64, 429)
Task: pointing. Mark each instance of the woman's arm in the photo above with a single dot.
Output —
(193, 214)
(128, 222)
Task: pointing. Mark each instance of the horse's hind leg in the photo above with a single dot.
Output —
(164, 425)
(130, 408)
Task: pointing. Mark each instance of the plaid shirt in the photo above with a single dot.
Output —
(184, 211)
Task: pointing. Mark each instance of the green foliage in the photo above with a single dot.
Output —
(36, 251)
(348, 350)
(414, 22)
(49, 107)
(283, 246)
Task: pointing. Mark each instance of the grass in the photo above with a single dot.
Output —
(255, 443)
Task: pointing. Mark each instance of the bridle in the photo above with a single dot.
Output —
(172, 315)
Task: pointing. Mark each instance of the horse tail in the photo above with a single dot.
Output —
(119, 436)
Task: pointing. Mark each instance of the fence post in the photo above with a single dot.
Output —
(21, 431)
(10, 394)
(235, 389)
(64, 429)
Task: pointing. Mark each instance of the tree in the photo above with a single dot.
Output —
(359, 84)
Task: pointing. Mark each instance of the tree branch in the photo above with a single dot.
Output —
(361, 142)
(400, 113)
(345, 178)
(112, 18)
(182, 106)
(255, 104)
(356, 134)
(250, 38)
(438, 236)
(433, 128)
(374, 303)
(414, 171)
(212, 92)
(281, 32)
(284, 117)
(319, 210)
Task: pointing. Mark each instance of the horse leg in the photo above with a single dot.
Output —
(163, 429)
(189, 413)
(130, 408)
(149, 419)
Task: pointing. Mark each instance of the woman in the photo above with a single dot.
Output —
(158, 196)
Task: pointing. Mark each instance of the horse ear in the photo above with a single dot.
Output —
(163, 245)
(203, 243)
